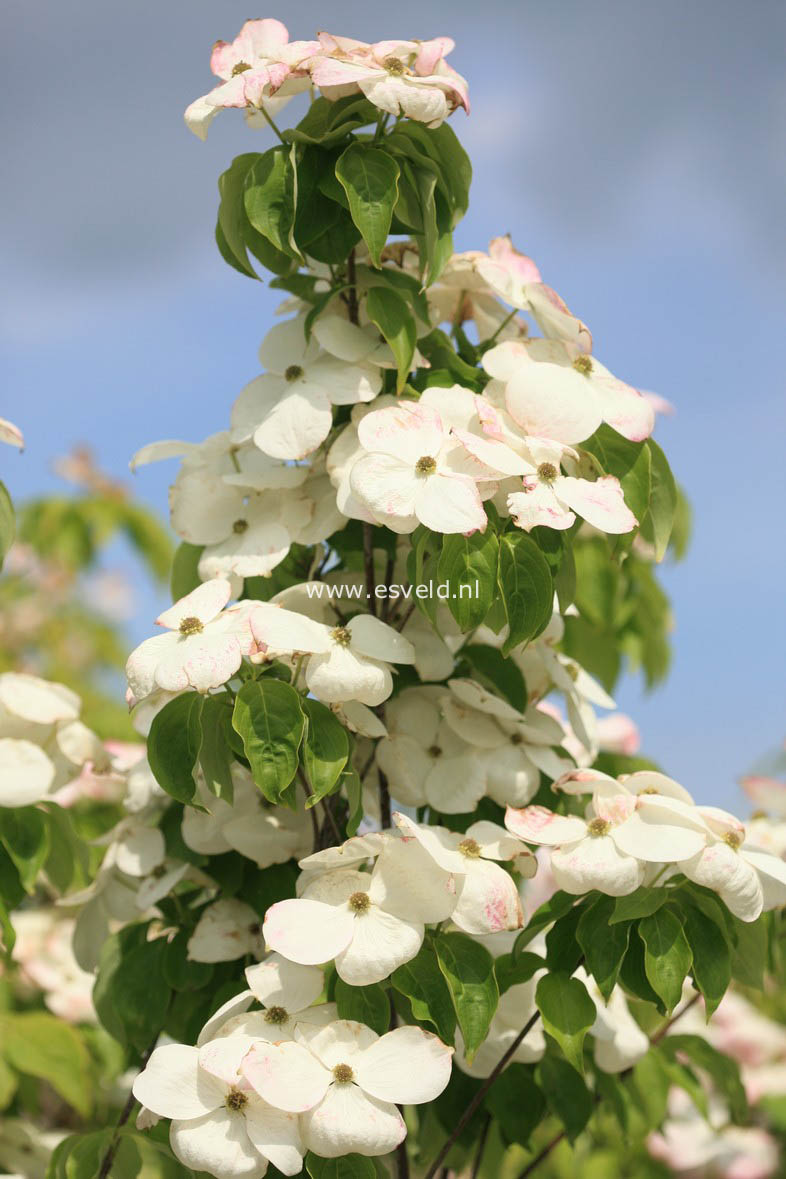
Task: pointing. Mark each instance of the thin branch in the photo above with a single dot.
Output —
(272, 124)
(385, 818)
(125, 1114)
(477, 1100)
(389, 569)
(352, 291)
(484, 1133)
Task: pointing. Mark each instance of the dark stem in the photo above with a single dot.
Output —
(484, 1133)
(389, 567)
(125, 1114)
(477, 1100)
(385, 819)
(405, 617)
(352, 291)
(623, 1076)
(368, 565)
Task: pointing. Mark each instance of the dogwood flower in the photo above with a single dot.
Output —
(219, 1123)
(261, 68)
(618, 1040)
(609, 850)
(227, 929)
(250, 825)
(11, 434)
(407, 78)
(203, 648)
(346, 1081)
(414, 472)
(487, 897)
(288, 411)
(747, 879)
(546, 401)
(462, 294)
(348, 662)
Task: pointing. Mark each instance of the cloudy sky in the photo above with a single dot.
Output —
(636, 150)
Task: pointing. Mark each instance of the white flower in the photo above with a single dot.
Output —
(219, 1124)
(289, 409)
(487, 897)
(346, 662)
(250, 825)
(414, 471)
(608, 850)
(346, 1081)
(619, 1041)
(409, 78)
(261, 68)
(203, 649)
(747, 879)
(227, 929)
(11, 434)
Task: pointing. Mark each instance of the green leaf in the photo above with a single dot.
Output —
(349, 1166)
(667, 956)
(369, 1005)
(270, 197)
(269, 718)
(567, 1012)
(749, 959)
(7, 523)
(511, 974)
(326, 122)
(650, 1085)
(235, 235)
(325, 749)
(526, 588)
(441, 354)
(633, 976)
(423, 983)
(563, 952)
(502, 675)
(468, 969)
(173, 745)
(566, 1095)
(549, 912)
(711, 956)
(24, 832)
(659, 520)
(369, 177)
(391, 314)
(629, 461)
(40, 1045)
(641, 903)
(469, 565)
(185, 570)
(517, 1103)
(180, 973)
(723, 1070)
(215, 752)
(131, 994)
(604, 945)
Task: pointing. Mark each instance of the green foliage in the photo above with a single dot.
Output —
(567, 1013)
(24, 833)
(667, 956)
(131, 994)
(470, 563)
(468, 969)
(173, 745)
(349, 1166)
(269, 719)
(565, 1092)
(368, 1005)
(7, 523)
(40, 1045)
(325, 749)
(389, 311)
(369, 177)
(430, 996)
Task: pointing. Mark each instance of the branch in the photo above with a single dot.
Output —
(125, 1114)
(479, 1096)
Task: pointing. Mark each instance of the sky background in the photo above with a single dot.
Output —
(635, 150)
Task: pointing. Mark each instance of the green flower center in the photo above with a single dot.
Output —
(293, 373)
(240, 68)
(434, 751)
(343, 1074)
(236, 1100)
(394, 65)
(597, 827)
(470, 848)
(547, 472)
(240, 526)
(583, 365)
(191, 626)
(341, 635)
(276, 1015)
(426, 465)
(733, 839)
(359, 902)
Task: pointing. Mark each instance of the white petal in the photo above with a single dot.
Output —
(26, 773)
(725, 871)
(229, 1010)
(285, 345)
(488, 900)
(536, 824)
(338, 1043)
(296, 425)
(306, 931)
(386, 484)
(407, 882)
(407, 431)
(595, 862)
(376, 639)
(348, 1122)
(287, 1075)
(217, 1143)
(173, 1086)
(406, 1066)
(551, 401)
(601, 503)
(450, 504)
(380, 943)
(276, 982)
(155, 452)
(538, 505)
(342, 675)
(202, 661)
(283, 630)
(276, 1135)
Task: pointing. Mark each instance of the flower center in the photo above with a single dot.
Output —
(583, 365)
(426, 465)
(394, 66)
(573, 671)
(434, 751)
(341, 635)
(255, 928)
(293, 373)
(343, 1074)
(191, 626)
(359, 902)
(240, 526)
(276, 1015)
(547, 472)
(470, 848)
(648, 790)
(240, 68)
(516, 739)
(733, 839)
(598, 827)
(236, 1100)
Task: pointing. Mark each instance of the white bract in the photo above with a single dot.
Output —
(346, 662)
(203, 648)
(747, 879)
(346, 1081)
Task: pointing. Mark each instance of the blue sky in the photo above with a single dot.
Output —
(634, 150)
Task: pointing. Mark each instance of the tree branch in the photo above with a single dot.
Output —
(125, 1114)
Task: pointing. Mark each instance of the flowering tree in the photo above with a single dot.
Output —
(386, 896)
